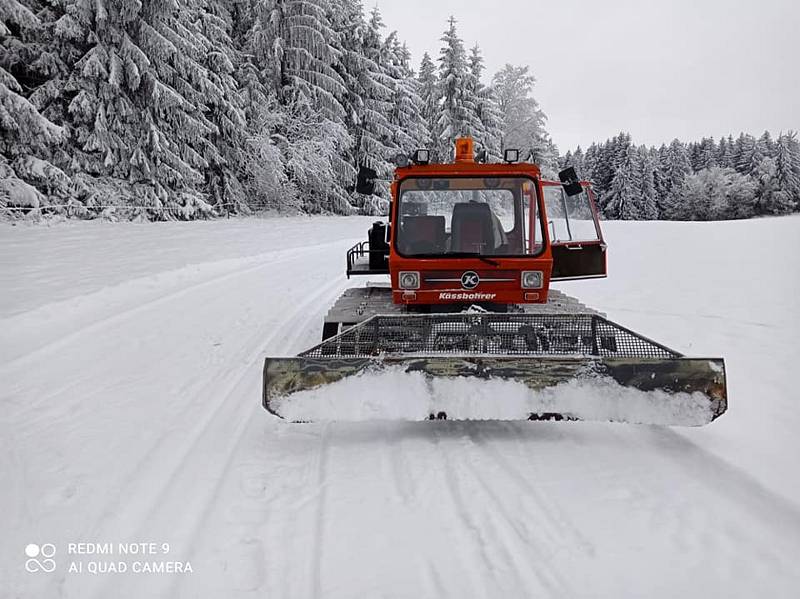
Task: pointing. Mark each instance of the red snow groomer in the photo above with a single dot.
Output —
(471, 249)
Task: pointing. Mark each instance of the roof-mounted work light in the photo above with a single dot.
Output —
(421, 156)
(511, 155)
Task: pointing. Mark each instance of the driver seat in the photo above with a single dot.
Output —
(472, 229)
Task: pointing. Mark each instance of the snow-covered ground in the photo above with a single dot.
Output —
(130, 370)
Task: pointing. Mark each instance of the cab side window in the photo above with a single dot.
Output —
(569, 218)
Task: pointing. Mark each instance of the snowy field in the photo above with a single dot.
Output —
(130, 371)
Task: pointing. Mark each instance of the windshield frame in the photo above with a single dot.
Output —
(526, 217)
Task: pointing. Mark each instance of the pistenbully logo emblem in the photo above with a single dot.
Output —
(470, 280)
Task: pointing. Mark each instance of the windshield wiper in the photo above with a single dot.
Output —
(477, 255)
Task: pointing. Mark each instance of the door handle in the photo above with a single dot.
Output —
(576, 246)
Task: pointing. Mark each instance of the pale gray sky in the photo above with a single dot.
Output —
(665, 69)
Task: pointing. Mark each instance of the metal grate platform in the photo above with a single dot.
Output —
(490, 335)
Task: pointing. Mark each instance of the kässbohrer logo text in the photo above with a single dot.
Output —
(465, 296)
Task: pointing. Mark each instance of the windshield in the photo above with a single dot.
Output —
(466, 216)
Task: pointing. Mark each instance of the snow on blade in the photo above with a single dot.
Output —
(394, 394)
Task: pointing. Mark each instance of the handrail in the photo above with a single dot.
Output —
(360, 250)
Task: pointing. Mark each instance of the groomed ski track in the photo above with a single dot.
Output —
(131, 412)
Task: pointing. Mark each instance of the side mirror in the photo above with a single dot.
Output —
(570, 181)
(365, 183)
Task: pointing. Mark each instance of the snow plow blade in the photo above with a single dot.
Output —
(495, 367)
(680, 392)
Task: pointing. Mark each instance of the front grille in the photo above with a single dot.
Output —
(451, 279)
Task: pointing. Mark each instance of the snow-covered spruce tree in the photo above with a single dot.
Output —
(33, 52)
(724, 153)
(295, 41)
(766, 145)
(647, 179)
(369, 91)
(430, 92)
(294, 162)
(254, 73)
(578, 162)
(523, 120)
(225, 106)
(707, 154)
(620, 147)
(590, 163)
(787, 166)
(659, 157)
(409, 127)
(472, 84)
(29, 66)
(675, 168)
(746, 155)
(727, 157)
(267, 181)
(771, 198)
(152, 102)
(693, 152)
(296, 37)
(547, 156)
(454, 110)
(610, 156)
(624, 199)
(614, 155)
(487, 120)
(603, 169)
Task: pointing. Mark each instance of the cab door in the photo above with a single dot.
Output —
(579, 251)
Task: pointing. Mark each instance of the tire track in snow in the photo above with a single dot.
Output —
(518, 539)
(526, 534)
(241, 426)
(556, 522)
(501, 557)
(465, 520)
(315, 574)
(297, 451)
(224, 414)
(433, 579)
(396, 462)
(291, 333)
(291, 324)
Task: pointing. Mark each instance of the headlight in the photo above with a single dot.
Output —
(532, 279)
(409, 280)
